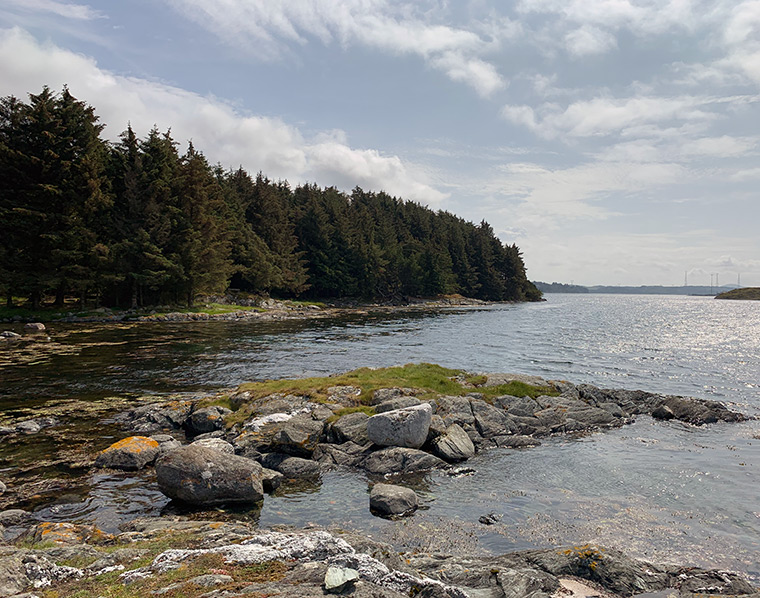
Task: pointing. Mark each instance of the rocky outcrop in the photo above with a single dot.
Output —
(406, 427)
(129, 454)
(390, 500)
(207, 419)
(203, 476)
(308, 563)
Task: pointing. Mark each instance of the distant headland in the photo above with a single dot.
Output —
(748, 293)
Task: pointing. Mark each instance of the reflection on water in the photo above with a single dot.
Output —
(662, 491)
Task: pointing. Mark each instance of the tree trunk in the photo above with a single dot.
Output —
(59, 297)
(9, 299)
(35, 297)
(134, 293)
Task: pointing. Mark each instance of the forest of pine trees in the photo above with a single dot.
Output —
(137, 223)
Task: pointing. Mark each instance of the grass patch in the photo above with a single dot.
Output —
(747, 294)
(432, 380)
(213, 309)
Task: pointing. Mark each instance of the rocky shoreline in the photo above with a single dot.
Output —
(237, 447)
(265, 310)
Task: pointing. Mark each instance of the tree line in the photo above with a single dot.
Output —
(137, 223)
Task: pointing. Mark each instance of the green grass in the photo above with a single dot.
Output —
(346, 410)
(430, 379)
(212, 309)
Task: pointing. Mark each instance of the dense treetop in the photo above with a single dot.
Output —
(135, 223)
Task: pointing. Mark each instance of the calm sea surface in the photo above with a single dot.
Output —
(662, 491)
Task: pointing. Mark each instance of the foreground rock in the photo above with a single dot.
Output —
(390, 500)
(218, 559)
(203, 476)
(407, 427)
(130, 454)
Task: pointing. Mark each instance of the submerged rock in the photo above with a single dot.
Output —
(130, 454)
(406, 427)
(397, 459)
(389, 499)
(203, 476)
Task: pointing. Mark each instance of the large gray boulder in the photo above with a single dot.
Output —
(406, 427)
(453, 445)
(389, 500)
(291, 467)
(202, 476)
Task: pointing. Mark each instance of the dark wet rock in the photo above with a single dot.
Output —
(149, 419)
(215, 443)
(453, 445)
(396, 459)
(271, 479)
(489, 420)
(490, 518)
(33, 426)
(516, 441)
(406, 427)
(130, 454)
(352, 427)
(15, 517)
(391, 500)
(347, 454)
(699, 412)
(202, 476)
(663, 412)
(207, 419)
(298, 436)
(291, 467)
(382, 395)
(614, 409)
(396, 403)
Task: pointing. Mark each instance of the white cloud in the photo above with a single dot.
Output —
(607, 116)
(269, 29)
(62, 9)
(216, 128)
(588, 40)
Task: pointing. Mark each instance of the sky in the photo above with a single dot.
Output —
(614, 141)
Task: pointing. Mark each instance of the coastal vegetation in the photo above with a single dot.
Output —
(137, 223)
(747, 293)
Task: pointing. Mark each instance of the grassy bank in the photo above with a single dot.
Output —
(746, 294)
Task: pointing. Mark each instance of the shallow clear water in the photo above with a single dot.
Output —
(662, 491)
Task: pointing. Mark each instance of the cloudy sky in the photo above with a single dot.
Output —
(615, 141)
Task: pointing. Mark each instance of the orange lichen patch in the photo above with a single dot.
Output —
(133, 444)
(69, 533)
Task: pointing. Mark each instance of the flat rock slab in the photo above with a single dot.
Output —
(389, 499)
(130, 454)
(203, 476)
(406, 427)
(397, 459)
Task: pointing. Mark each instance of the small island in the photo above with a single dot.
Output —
(746, 294)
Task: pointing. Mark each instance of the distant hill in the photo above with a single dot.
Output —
(660, 290)
(558, 287)
(747, 293)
